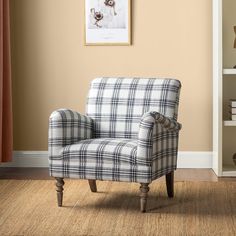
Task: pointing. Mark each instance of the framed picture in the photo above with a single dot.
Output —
(107, 22)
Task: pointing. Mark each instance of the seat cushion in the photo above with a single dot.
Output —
(102, 159)
(103, 150)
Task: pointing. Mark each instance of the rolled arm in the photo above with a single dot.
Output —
(150, 118)
(65, 128)
(153, 128)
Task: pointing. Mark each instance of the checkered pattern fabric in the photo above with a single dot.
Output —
(103, 159)
(130, 132)
(158, 142)
(65, 128)
(117, 104)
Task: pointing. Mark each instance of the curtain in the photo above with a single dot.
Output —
(5, 84)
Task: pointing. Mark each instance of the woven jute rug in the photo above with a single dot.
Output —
(28, 207)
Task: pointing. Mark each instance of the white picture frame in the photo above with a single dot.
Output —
(107, 22)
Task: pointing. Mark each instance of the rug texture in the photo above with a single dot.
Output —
(28, 207)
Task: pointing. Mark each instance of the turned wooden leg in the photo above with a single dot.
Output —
(93, 186)
(170, 184)
(59, 184)
(143, 196)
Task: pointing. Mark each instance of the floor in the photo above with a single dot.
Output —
(203, 205)
(42, 173)
(28, 207)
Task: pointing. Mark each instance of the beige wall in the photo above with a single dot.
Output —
(52, 68)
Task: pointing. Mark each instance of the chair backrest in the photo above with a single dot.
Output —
(117, 104)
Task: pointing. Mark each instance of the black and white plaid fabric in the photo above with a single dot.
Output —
(130, 132)
(117, 104)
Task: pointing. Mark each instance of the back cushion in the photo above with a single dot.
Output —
(117, 104)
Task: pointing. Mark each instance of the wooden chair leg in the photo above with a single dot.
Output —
(59, 184)
(93, 186)
(143, 196)
(170, 184)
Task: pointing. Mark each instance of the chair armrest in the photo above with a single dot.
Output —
(153, 128)
(65, 128)
(152, 117)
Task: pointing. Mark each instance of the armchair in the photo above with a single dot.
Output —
(129, 133)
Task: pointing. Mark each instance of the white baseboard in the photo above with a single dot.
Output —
(195, 160)
(40, 159)
(28, 159)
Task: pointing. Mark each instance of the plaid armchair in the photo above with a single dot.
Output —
(129, 133)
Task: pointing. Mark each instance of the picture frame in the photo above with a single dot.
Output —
(107, 22)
